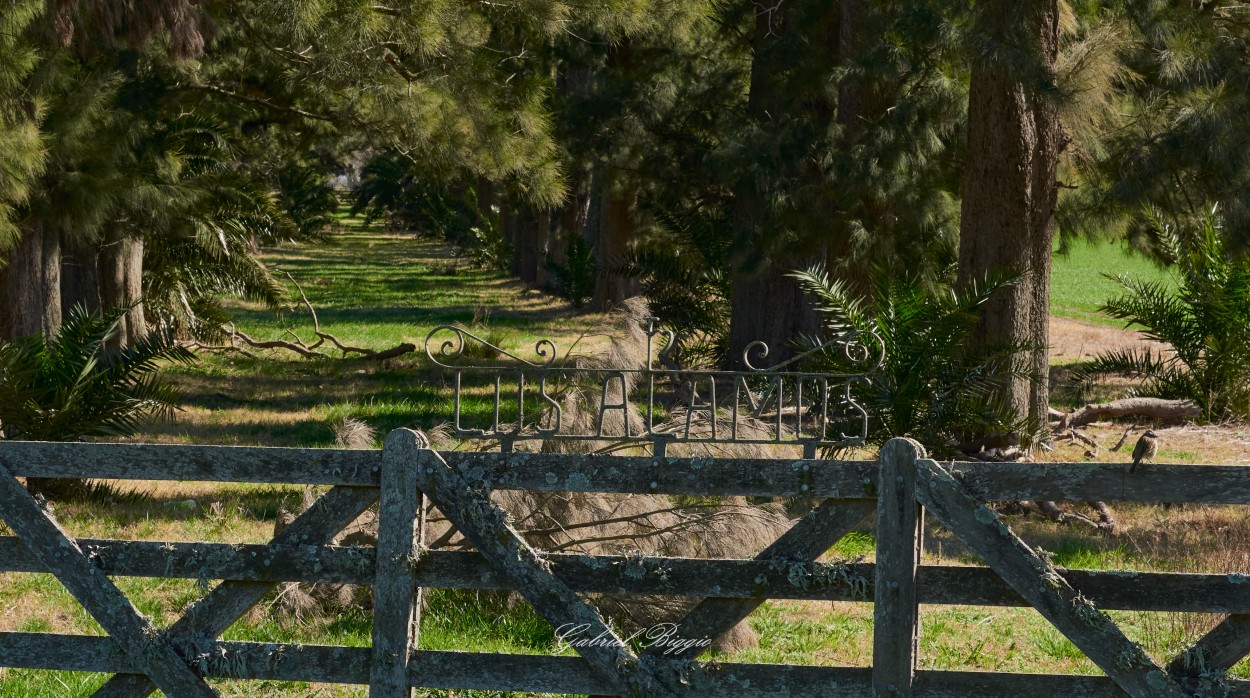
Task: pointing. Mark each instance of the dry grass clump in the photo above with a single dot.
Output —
(354, 434)
(581, 397)
(638, 525)
(597, 524)
(1198, 539)
(301, 600)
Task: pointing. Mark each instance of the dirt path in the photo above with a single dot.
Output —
(1073, 340)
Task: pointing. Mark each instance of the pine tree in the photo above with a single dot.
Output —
(1010, 187)
(1181, 146)
(21, 156)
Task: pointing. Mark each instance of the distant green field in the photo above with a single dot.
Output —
(1077, 284)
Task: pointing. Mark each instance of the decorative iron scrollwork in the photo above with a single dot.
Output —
(527, 399)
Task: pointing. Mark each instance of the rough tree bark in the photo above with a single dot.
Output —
(770, 308)
(31, 285)
(765, 304)
(618, 196)
(575, 82)
(861, 103)
(528, 232)
(571, 220)
(120, 267)
(485, 196)
(617, 230)
(80, 280)
(1009, 189)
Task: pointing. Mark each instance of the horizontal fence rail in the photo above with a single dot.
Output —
(651, 576)
(542, 674)
(558, 472)
(903, 487)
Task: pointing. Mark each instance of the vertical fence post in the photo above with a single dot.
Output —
(401, 525)
(900, 530)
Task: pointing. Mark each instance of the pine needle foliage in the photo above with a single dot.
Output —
(932, 385)
(21, 148)
(682, 266)
(1206, 322)
(73, 385)
(1177, 143)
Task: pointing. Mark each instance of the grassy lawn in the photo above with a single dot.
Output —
(376, 289)
(1077, 284)
(370, 289)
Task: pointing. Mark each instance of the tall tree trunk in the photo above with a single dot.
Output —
(80, 280)
(617, 231)
(860, 105)
(1014, 141)
(485, 197)
(120, 265)
(50, 282)
(32, 284)
(529, 242)
(769, 308)
(575, 82)
(765, 304)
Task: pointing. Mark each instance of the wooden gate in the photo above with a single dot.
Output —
(900, 488)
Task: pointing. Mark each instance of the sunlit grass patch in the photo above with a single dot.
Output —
(1077, 284)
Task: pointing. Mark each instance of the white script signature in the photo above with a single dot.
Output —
(662, 636)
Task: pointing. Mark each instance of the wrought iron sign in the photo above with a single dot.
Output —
(533, 399)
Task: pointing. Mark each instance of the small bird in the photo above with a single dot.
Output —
(1146, 449)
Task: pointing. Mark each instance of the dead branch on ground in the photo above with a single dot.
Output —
(240, 341)
(1106, 524)
(1157, 409)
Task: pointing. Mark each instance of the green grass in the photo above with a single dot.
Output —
(370, 289)
(1077, 284)
(374, 289)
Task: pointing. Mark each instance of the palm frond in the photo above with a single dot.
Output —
(1206, 320)
(72, 385)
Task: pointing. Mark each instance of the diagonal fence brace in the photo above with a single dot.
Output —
(468, 507)
(806, 541)
(96, 592)
(1214, 653)
(229, 601)
(1040, 583)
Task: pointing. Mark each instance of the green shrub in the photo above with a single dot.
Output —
(395, 188)
(306, 195)
(485, 245)
(73, 385)
(1206, 321)
(932, 386)
(574, 281)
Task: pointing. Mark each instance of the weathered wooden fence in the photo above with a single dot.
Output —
(900, 488)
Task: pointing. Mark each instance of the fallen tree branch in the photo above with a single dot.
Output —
(1078, 436)
(197, 346)
(297, 345)
(1106, 518)
(1054, 513)
(1123, 438)
(1157, 409)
